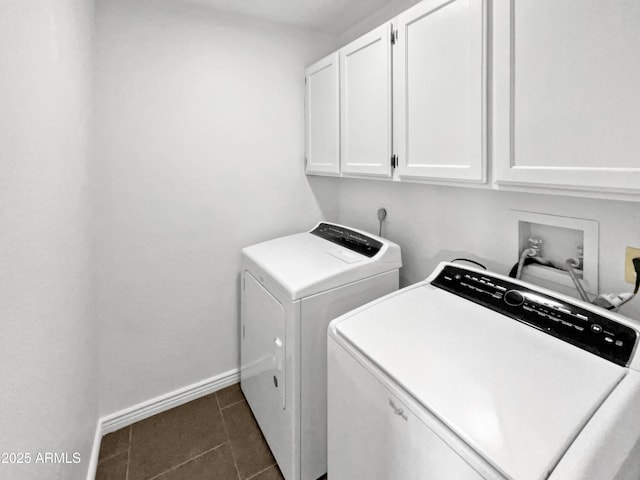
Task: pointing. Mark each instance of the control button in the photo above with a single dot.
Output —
(596, 328)
(582, 317)
(501, 288)
(608, 339)
(457, 276)
(619, 343)
(514, 298)
(579, 328)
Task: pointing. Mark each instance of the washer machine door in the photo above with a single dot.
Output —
(263, 372)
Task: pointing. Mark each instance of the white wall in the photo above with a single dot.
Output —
(199, 146)
(436, 223)
(47, 327)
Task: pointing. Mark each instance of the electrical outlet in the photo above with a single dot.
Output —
(629, 271)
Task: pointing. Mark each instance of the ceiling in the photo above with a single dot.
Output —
(330, 16)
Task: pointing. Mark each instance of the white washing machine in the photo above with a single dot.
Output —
(292, 287)
(474, 375)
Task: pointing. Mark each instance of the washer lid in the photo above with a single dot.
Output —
(306, 263)
(516, 395)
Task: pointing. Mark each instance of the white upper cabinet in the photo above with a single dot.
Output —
(365, 104)
(322, 117)
(567, 94)
(439, 65)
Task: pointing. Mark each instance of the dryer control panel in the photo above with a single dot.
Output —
(590, 331)
(348, 238)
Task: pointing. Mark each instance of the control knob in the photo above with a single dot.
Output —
(514, 298)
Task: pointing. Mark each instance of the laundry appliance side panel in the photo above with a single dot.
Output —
(317, 311)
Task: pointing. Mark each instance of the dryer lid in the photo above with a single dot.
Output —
(312, 262)
(514, 394)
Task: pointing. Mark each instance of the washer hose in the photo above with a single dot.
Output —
(570, 263)
(528, 252)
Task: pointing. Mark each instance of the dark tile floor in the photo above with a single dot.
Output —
(211, 438)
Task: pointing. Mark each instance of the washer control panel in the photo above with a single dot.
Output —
(347, 238)
(590, 331)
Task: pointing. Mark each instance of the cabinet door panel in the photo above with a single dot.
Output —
(567, 93)
(322, 117)
(439, 90)
(365, 90)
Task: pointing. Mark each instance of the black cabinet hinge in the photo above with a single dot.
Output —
(394, 161)
(394, 36)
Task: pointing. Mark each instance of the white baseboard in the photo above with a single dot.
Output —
(95, 451)
(128, 416)
(115, 421)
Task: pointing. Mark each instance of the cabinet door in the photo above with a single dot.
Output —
(365, 103)
(322, 117)
(567, 93)
(440, 90)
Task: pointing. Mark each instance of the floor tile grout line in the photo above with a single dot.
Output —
(190, 460)
(113, 455)
(232, 454)
(126, 476)
(233, 404)
(226, 432)
(261, 471)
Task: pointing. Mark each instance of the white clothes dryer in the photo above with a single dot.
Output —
(292, 287)
(474, 375)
